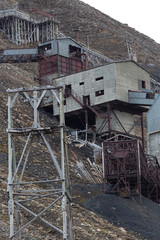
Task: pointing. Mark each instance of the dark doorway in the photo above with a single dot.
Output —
(86, 100)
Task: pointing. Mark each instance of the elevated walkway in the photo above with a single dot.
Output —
(19, 55)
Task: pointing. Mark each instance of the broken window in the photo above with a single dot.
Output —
(47, 47)
(74, 51)
(99, 78)
(99, 93)
(150, 95)
(141, 84)
(44, 48)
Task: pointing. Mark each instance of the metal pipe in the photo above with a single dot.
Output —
(10, 188)
(142, 129)
(109, 117)
(86, 59)
(86, 120)
(64, 200)
(76, 31)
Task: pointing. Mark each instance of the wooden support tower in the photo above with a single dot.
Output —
(44, 197)
(20, 28)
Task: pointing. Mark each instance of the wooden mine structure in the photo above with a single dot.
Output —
(23, 28)
(38, 197)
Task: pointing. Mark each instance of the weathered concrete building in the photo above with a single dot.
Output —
(101, 97)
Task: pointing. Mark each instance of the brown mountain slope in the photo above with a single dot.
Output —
(106, 35)
(72, 14)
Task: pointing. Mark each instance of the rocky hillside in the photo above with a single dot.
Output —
(105, 34)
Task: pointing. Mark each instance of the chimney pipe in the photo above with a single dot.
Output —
(76, 31)
(87, 41)
(86, 59)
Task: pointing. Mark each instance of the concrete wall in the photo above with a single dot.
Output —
(126, 120)
(85, 84)
(114, 79)
(127, 75)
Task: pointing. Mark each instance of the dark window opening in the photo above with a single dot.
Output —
(47, 47)
(86, 100)
(99, 78)
(68, 90)
(81, 83)
(44, 48)
(141, 84)
(74, 51)
(150, 95)
(64, 102)
(99, 93)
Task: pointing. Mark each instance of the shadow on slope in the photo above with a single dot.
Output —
(141, 218)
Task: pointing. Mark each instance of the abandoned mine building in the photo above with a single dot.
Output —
(102, 97)
(107, 102)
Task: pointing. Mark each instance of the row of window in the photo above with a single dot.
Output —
(97, 79)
